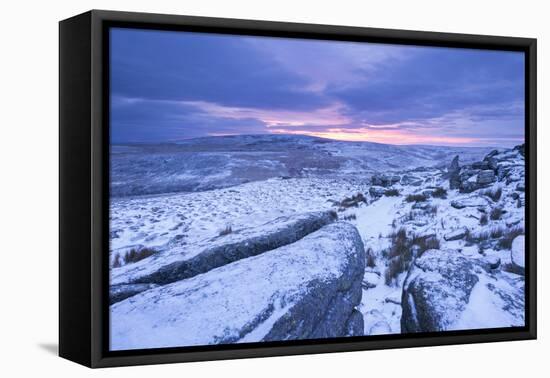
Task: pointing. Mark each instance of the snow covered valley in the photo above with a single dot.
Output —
(414, 240)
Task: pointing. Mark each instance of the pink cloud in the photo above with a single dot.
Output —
(381, 136)
(328, 116)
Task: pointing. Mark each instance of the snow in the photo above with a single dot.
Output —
(518, 251)
(372, 221)
(181, 251)
(218, 305)
(181, 225)
(375, 308)
(486, 309)
(153, 221)
(219, 162)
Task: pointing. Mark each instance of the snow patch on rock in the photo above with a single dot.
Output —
(308, 289)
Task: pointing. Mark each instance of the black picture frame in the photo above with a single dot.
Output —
(84, 187)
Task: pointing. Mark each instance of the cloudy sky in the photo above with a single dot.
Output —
(173, 85)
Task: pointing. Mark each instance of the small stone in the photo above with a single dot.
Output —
(520, 187)
(410, 180)
(473, 201)
(457, 234)
(493, 261)
(376, 192)
(385, 180)
(469, 186)
(486, 177)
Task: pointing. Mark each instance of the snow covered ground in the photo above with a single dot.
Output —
(219, 162)
(479, 225)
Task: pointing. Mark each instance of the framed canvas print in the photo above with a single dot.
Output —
(233, 188)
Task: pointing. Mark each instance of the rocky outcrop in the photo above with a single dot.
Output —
(453, 174)
(436, 291)
(455, 166)
(505, 166)
(410, 180)
(385, 180)
(229, 248)
(305, 290)
(469, 186)
(486, 177)
(521, 149)
(376, 192)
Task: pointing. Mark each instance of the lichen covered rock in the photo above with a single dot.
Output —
(305, 290)
(436, 291)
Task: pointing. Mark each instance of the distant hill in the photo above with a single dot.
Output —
(223, 161)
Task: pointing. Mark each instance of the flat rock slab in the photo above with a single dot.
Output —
(473, 201)
(305, 290)
(457, 234)
(223, 250)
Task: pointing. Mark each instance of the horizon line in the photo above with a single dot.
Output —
(460, 145)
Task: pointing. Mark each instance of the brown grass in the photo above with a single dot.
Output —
(440, 193)
(117, 263)
(505, 236)
(370, 260)
(226, 231)
(494, 194)
(349, 217)
(135, 255)
(416, 198)
(391, 192)
(496, 213)
(483, 220)
(352, 201)
(400, 252)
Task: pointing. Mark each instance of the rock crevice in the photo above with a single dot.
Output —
(226, 249)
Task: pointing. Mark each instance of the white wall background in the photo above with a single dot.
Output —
(29, 174)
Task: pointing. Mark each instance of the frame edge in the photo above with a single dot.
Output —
(74, 195)
(98, 17)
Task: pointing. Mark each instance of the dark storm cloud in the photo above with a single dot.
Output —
(438, 81)
(165, 65)
(174, 85)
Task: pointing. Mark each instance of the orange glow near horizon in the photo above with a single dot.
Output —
(379, 136)
(332, 122)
